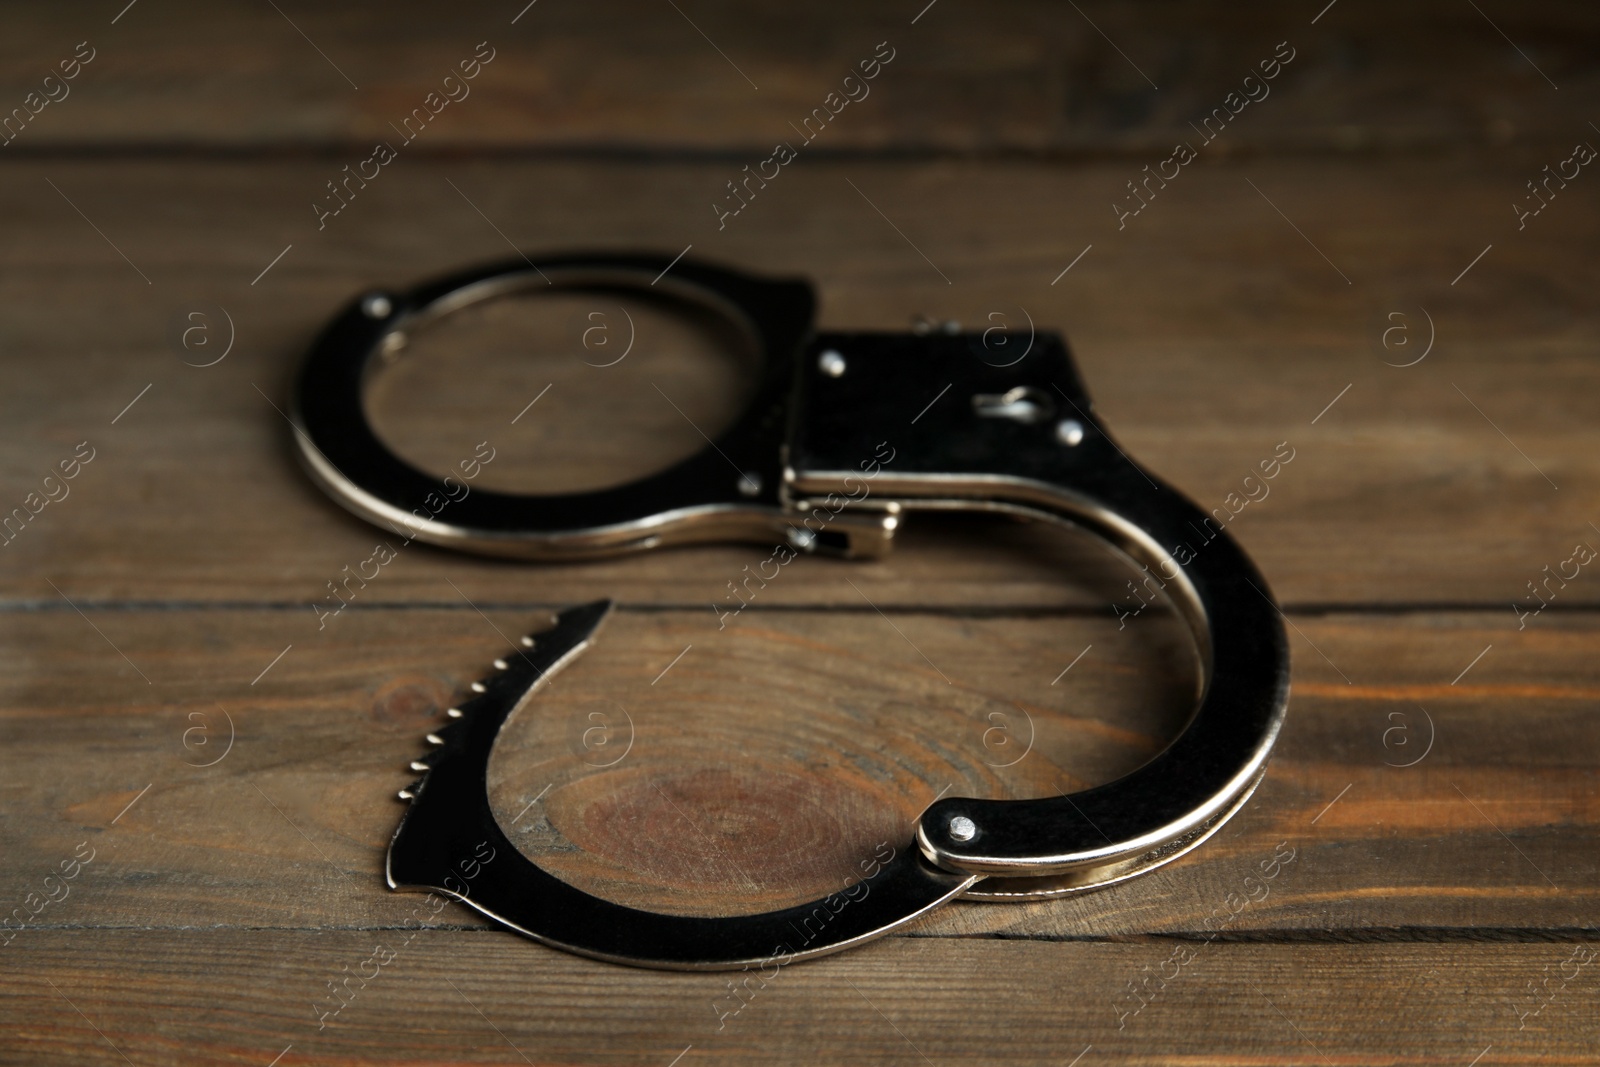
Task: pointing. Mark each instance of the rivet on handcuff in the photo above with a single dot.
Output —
(1020, 439)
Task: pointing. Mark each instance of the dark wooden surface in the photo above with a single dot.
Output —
(1430, 913)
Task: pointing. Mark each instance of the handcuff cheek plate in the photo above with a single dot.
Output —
(957, 456)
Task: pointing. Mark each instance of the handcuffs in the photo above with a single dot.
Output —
(1014, 436)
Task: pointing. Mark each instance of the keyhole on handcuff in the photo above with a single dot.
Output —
(1025, 404)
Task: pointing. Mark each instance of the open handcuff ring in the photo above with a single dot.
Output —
(1018, 438)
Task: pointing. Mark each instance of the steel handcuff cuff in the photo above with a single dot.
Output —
(1018, 438)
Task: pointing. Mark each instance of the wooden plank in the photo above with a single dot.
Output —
(1020, 77)
(754, 768)
(1208, 329)
(227, 996)
(1412, 883)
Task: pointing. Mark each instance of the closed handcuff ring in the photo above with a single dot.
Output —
(1017, 439)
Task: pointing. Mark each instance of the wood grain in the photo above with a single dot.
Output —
(1021, 77)
(230, 996)
(1208, 337)
(775, 753)
(1414, 881)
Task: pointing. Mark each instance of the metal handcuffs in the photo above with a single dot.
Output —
(1018, 439)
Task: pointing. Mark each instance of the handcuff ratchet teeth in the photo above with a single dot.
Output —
(1010, 436)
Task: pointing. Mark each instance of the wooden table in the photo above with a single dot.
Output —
(199, 767)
